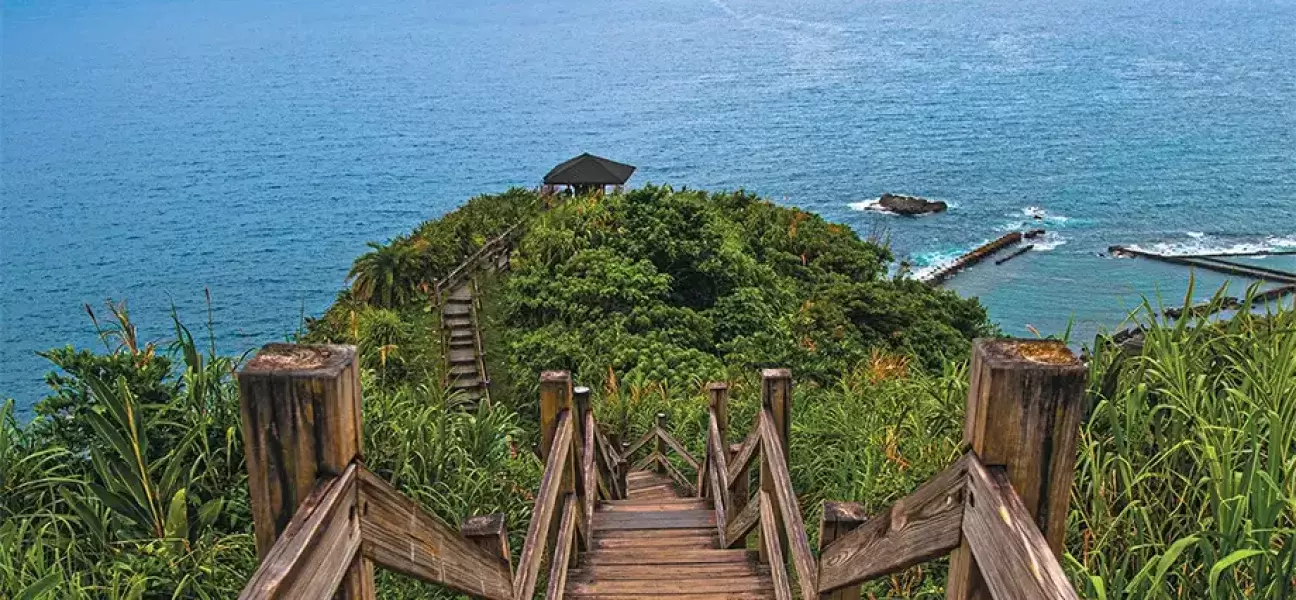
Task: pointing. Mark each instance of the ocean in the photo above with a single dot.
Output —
(157, 149)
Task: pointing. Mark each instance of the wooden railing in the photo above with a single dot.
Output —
(323, 522)
(1000, 509)
(661, 442)
(580, 468)
(491, 250)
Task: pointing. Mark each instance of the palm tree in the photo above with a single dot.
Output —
(388, 275)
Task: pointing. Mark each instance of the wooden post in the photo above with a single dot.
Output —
(581, 407)
(719, 397)
(660, 445)
(740, 491)
(1023, 413)
(776, 397)
(489, 533)
(840, 518)
(301, 421)
(555, 396)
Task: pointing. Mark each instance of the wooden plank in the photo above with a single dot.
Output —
(1015, 559)
(666, 557)
(679, 449)
(649, 572)
(490, 533)
(659, 446)
(1024, 408)
(313, 554)
(301, 420)
(639, 443)
(667, 587)
(563, 550)
(742, 523)
(401, 536)
(654, 533)
(680, 480)
(794, 525)
(589, 474)
(742, 460)
(776, 399)
(729, 596)
(684, 542)
(836, 520)
(718, 465)
(524, 581)
(684, 519)
(654, 505)
(917, 528)
(773, 553)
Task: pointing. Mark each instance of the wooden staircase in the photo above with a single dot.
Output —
(659, 543)
(465, 373)
(457, 294)
(611, 526)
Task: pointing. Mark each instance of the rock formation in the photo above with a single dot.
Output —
(910, 205)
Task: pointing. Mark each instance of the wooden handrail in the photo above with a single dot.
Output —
(717, 464)
(919, 527)
(770, 539)
(401, 536)
(743, 459)
(793, 525)
(1014, 558)
(310, 558)
(452, 278)
(524, 581)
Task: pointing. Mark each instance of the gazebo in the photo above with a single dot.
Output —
(587, 173)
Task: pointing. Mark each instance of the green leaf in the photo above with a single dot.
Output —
(1227, 562)
(209, 512)
(40, 587)
(177, 519)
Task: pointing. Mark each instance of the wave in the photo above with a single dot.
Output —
(926, 263)
(1050, 241)
(1200, 243)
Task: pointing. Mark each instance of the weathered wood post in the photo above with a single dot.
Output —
(555, 397)
(776, 397)
(659, 446)
(301, 421)
(1023, 414)
(489, 533)
(840, 518)
(587, 495)
(718, 402)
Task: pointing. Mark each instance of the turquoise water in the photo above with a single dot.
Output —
(152, 149)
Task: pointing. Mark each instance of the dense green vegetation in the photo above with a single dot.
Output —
(130, 482)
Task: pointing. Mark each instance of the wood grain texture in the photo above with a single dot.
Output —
(836, 520)
(301, 420)
(794, 525)
(1024, 407)
(490, 533)
(589, 476)
(639, 443)
(1015, 559)
(665, 465)
(776, 399)
(919, 527)
(320, 543)
(679, 449)
(774, 554)
(717, 467)
(743, 458)
(401, 536)
(524, 581)
(563, 550)
(742, 523)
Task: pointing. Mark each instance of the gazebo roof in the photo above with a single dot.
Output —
(588, 169)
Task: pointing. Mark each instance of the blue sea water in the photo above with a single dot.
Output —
(153, 149)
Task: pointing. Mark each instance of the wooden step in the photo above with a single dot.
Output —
(666, 557)
(677, 519)
(654, 533)
(677, 542)
(457, 310)
(655, 505)
(692, 571)
(459, 323)
(730, 596)
(462, 370)
(462, 355)
(666, 587)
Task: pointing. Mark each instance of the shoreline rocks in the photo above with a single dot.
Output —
(910, 205)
